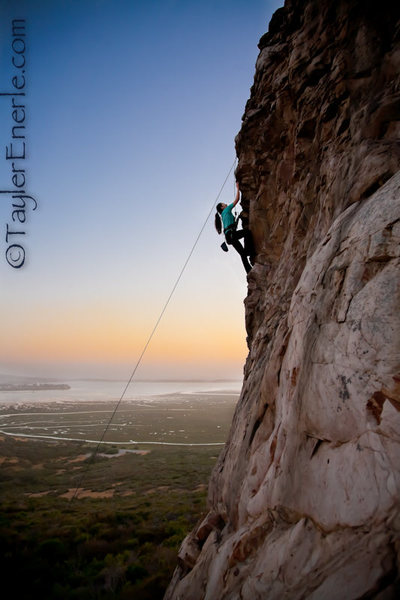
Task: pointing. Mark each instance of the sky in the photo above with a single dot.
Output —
(130, 113)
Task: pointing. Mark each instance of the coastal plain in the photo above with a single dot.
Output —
(106, 526)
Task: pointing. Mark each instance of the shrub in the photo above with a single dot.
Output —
(136, 572)
(52, 550)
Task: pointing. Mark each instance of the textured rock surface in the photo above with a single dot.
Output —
(304, 500)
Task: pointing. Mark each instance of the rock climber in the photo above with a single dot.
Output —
(225, 218)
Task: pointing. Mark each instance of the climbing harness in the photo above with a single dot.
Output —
(228, 230)
(91, 460)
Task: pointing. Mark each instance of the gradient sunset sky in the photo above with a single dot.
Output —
(131, 112)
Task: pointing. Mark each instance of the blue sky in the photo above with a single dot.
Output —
(131, 113)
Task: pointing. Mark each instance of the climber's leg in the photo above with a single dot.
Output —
(249, 246)
(232, 239)
(248, 243)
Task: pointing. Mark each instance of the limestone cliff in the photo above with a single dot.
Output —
(304, 500)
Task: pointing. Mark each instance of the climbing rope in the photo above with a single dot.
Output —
(91, 460)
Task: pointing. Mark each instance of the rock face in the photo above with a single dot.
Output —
(305, 498)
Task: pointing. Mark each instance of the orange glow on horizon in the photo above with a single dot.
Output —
(110, 338)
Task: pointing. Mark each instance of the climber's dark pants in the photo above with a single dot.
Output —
(233, 236)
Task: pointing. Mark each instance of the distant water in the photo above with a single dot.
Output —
(96, 390)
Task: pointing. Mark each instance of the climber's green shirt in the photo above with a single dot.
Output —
(227, 217)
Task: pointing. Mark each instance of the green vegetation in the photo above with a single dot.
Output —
(118, 538)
